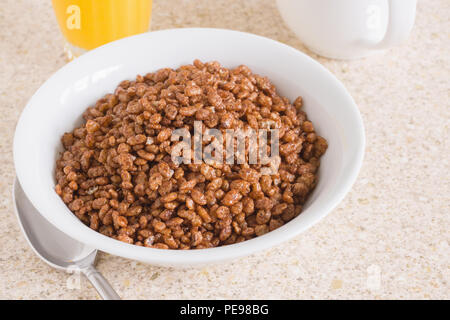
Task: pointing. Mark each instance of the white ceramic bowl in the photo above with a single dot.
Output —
(58, 104)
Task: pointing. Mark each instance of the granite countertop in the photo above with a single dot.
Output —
(388, 239)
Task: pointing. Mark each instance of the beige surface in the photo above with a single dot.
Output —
(389, 237)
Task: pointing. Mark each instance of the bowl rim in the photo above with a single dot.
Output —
(209, 255)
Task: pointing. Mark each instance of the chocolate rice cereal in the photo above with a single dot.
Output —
(117, 176)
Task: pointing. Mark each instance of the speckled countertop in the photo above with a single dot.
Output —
(389, 238)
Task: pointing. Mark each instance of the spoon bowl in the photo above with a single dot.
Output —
(55, 247)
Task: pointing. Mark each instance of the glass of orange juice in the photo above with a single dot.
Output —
(87, 24)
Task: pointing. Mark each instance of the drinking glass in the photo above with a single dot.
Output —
(87, 24)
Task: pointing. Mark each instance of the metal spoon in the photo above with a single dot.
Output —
(56, 248)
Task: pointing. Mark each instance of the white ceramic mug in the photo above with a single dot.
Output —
(348, 29)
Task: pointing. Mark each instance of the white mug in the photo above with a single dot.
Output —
(348, 29)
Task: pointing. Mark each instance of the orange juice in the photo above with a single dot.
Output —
(87, 24)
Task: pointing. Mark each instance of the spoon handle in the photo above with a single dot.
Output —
(99, 282)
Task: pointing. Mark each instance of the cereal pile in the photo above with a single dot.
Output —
(117, 176)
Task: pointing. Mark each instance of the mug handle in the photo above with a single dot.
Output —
(400, 22)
